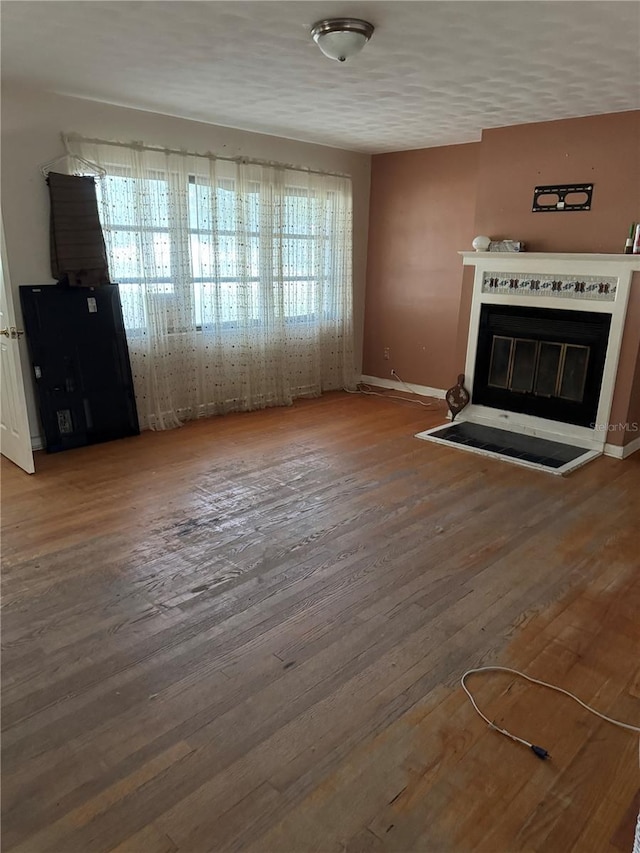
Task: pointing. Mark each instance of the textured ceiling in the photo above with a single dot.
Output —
(434, 73)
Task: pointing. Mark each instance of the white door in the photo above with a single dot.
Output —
(15, 439)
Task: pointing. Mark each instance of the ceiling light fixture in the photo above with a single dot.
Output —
(341, 38)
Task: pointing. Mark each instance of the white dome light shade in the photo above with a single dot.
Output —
(340, 46)
(341, 38)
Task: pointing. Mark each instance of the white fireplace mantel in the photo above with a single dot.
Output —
(508, 261)
(585, 282)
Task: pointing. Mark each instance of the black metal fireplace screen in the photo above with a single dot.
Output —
(544, 368)
(543, 362)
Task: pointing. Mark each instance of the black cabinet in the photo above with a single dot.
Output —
(80, 363)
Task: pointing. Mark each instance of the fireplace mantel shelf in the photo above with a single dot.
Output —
(497, 258)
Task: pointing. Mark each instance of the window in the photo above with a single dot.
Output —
(136, 226)
(226, 256)
(235, 278)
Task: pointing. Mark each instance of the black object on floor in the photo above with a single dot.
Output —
(540, 451)
(80, 362)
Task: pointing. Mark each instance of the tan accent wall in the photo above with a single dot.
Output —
(427, 205)
(629, 353)
(633, 429)
(601, 149)
(422, 207)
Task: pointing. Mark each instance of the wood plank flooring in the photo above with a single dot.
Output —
(247, 634)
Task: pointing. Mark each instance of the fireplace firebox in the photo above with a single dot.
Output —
(541, 361)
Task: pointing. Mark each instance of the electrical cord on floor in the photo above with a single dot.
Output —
(406, 385)
(363, 388)
(540, 751)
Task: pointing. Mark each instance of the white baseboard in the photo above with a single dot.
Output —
(37, 443)
(622, 452)
(423, 390)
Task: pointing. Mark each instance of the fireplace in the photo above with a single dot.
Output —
(543, 362)
(544, 340)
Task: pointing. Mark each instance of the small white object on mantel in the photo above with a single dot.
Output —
(481, 244)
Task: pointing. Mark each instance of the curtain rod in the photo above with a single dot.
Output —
(209, 155)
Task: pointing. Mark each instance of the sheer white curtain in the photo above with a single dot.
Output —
(235, 279)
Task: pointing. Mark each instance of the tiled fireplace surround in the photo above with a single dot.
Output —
(571, 282)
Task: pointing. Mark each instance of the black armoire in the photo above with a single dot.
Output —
(80, 364)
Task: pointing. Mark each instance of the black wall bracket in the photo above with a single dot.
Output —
(562, 197)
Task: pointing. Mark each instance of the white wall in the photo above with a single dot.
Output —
(30, 132)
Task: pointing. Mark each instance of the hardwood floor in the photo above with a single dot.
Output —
(248, 634)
